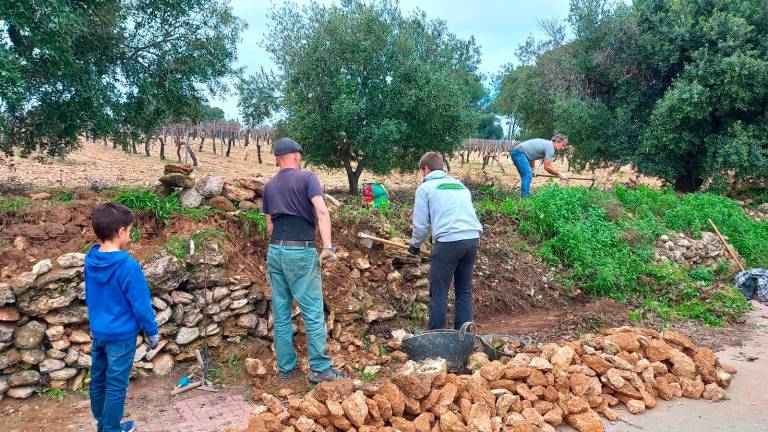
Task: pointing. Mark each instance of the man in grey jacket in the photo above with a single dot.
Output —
(445, 204)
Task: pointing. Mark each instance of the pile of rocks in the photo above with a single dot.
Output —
(45, 338)
(535, 390)
(227, 196)
(679, 248)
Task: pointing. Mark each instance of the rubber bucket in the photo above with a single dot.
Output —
(454, 346)
(495, 354)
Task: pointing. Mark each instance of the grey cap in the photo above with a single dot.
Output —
(287, 145)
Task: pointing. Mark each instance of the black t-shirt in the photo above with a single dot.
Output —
(290, 193)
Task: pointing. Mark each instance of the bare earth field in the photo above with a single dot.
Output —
(114, 167)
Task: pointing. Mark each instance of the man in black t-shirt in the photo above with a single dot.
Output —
(294, 205)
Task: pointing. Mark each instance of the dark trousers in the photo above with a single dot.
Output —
(451, 261)
(110, 371)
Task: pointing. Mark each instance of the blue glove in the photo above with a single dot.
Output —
(153, 341)
(413, 250)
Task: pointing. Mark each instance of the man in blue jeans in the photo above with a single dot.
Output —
(525, 155)
(444, 205)
(294, 205)
(119, 306)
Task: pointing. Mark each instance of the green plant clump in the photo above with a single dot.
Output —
(13, 205)
(142, 199)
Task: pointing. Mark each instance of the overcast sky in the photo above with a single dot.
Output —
(498, 26)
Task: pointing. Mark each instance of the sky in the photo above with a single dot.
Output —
(498, 26)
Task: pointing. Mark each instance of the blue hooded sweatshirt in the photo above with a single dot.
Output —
(117, 296)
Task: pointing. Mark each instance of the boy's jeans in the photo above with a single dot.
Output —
(523, 166)
(294, 273)
(110, 370)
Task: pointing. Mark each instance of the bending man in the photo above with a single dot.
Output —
(294, 205)
(445, 204)
(525, 155)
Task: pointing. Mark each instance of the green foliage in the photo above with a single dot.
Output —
(13, 205)
(177, 246)
(676, 88)
(603, 242)
(253, 218)
(116, 68)
(235, 364)
(258, 98)
(489, 128)
(136, 234)
(211, 113)
(367, 376)
(53, 393)
(364, 87)
(143, 199)
(635, 316)
(64, 196)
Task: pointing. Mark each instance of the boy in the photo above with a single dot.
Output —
(119, 306)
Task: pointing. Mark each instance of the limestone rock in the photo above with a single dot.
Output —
(713, 392)
(333, 390)
(29, 335)
(415, 380)
(50, 365)
(355, 408)
(6, 294)
(626, 341)
(587, 421)
(33, 356)
(635, 406)
(179, 168)
(73, 259)
(9, 358)
(677, 339)
(63, 374)
(22, 378)
(540, 364)
(379, 312)
(72, 314)
(683, 366)
(209, 186)
(177, 180)
(187, 335)
(43, 266)
(476, 359)
(255, 367)
(692, 389)
(393, 396)
(9, 314)
(222, 203)
(163, 364)
(480, 418)
(235, 193)
(450, 422)
(79, 337)
(190, 198)
(20, 392)
(563, 356)
(313, 409)
(658, 350)
(165, 274)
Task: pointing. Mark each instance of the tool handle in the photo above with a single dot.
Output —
(389, 242)
(180, 390)
(727, 246)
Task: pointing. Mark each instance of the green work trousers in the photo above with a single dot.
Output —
(294, 273)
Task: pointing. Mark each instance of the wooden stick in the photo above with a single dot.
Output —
(389, 242)
(189, 386)
(727, 246)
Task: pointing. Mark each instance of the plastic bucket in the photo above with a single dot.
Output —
(452, 345)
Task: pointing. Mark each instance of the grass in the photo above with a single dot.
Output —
(603, 242)
(367, 376)
(235, 364)
(253, 219)
(143, 199)
(136, 234)
(178, 245)
(53, 393)
(13, 205)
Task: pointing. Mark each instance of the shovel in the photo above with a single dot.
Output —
(389, 242)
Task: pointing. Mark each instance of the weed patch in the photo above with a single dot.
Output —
(13, 205)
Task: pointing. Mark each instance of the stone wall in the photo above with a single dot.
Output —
(45, 339)
(679, 248)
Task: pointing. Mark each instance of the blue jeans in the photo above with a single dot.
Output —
(110, 371)
(523, 165)
(294, 273)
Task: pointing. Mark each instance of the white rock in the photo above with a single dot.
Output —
(72, 259)
(42, 267)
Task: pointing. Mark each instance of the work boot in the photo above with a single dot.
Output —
(128, 426)
(329, 374)
(285, 376)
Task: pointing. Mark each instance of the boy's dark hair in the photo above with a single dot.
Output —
(108, 218)
(431, 160)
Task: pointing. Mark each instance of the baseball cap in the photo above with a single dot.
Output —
(287, 145)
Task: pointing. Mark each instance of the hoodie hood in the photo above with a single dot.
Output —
(101, 266)
(436, 174)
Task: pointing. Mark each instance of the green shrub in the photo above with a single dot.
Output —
(13, 205)
(143, 199)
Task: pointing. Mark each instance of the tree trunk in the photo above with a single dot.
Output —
(147, 142)
(162, 147)
(258, 150)
(229, 145)
(202, 141)
(133, 145)
(690, 180)
(353, 175)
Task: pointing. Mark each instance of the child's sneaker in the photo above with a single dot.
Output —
(128, 426)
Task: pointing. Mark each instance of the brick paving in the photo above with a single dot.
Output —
(205, 412)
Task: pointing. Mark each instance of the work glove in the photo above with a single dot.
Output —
(328, 255)
(413, 250)
(563, 175)
(153, 341)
